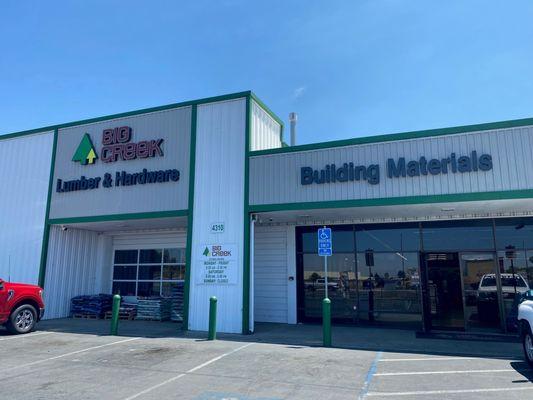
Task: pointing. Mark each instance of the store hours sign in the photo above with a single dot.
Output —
(217, 264)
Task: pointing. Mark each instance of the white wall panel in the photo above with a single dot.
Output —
(275, 178)
(265, 130)
(140, 240)
(24, 175)
(78, 261)
(218, 197)
(271, 274)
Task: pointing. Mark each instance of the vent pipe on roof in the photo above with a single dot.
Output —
(293, 118)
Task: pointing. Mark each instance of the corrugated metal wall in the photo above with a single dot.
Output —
(78, 264)
(276, 178)
(24, 175)
(140, 240)
(218, 197)
(271, 274)
(265, 130)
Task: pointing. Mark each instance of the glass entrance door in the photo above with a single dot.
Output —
(445, 291)
(480, 292)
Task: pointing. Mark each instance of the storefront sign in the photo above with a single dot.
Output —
(122, 178)
(217, 264)
(116, 146)
(399, 168)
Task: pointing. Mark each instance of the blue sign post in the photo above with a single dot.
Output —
(325, 249)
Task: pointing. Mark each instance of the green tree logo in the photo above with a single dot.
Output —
(206, 252)
(85, 153)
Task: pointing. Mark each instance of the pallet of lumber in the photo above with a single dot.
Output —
(153, 309)
(91, 306)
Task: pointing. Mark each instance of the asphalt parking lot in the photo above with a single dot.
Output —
(77, 360)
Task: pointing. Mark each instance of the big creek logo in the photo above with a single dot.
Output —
(117, 146)
(85, 153)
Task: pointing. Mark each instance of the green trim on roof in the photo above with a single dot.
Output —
(119, 217)
(230, 96)
(398, 136)
(267, 110)
(394, 201)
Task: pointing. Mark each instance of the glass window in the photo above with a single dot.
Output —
(517, 232)
(149, 272)
(342, 236)
(174, 256)
(149, 289)
(124, 288)
(154, 265)
(388, 238)
(173, 272)
(458, 235)
(389, 288)
(309, 242)
(341, 285)
(125, 272)
(150, 256)
(343, 240)
(126, 256)
(166, 289)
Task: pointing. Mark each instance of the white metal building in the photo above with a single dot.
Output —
(205, 192)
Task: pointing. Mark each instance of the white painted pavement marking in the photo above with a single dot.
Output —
(26, 336)
(429, 359)
(148, 390)
(471, 371)
(71, 353)
(459, 391)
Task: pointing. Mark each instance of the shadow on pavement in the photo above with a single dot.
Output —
(301, 335)
(523, 369)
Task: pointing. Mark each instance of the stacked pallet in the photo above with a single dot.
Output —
(153, 309)
(91, 306)
(176, 299)
(127, 311)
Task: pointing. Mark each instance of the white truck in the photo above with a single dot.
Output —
(525, 323)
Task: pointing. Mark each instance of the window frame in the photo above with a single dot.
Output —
(181, 263)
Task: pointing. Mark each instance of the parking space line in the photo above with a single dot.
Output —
(175, 378)
(27, 336)
(70, 354)
(458, 391)
(369, 376)
(472, 371)
(429, 359)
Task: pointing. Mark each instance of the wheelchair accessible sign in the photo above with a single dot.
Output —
(324, 242)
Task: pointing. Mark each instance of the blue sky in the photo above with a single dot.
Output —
(349, 68)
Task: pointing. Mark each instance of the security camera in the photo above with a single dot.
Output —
(64, 228)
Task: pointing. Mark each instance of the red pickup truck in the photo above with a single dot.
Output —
(21, 306)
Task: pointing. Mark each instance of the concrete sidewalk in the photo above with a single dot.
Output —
(348, 337)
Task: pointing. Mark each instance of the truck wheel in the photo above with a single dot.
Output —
(527, 342)
(22, 319)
